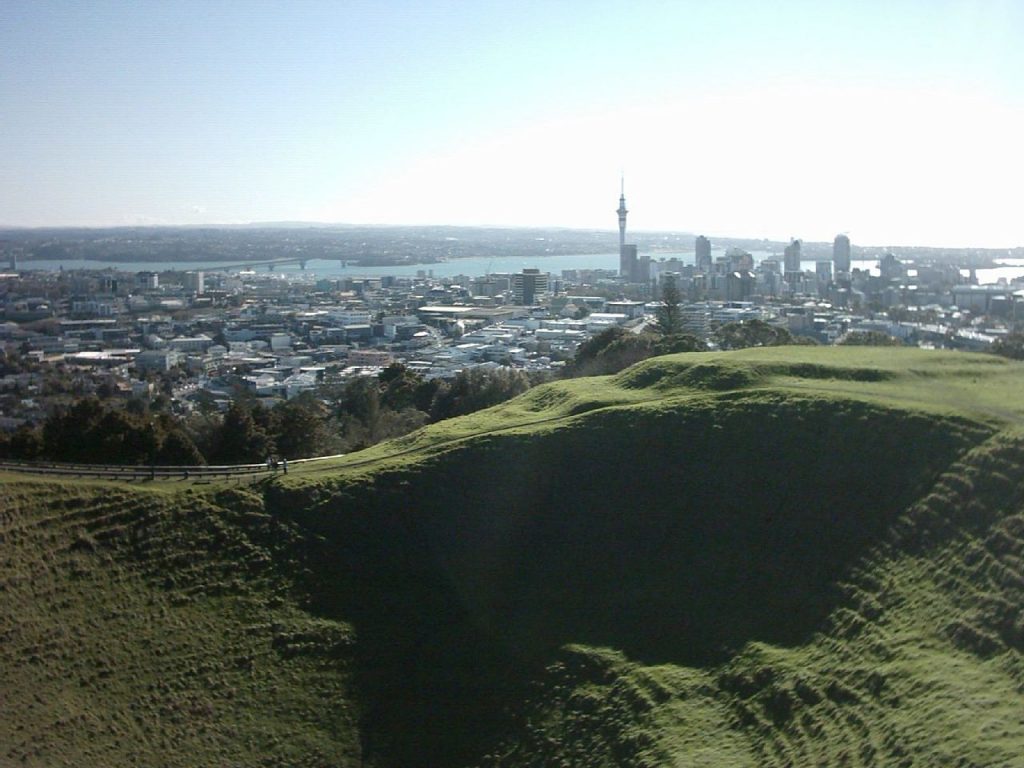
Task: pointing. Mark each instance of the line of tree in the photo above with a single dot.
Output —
(868, 339)
(754, 333)
(92, 432)
(341, 418)
(618, 348)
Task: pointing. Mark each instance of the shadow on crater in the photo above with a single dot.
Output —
(671, 535)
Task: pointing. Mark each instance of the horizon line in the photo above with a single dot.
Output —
(285, 223)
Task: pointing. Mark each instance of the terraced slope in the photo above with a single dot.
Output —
(919, 664)
(142, 628)
(779, 557)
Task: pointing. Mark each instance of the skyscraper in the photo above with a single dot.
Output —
(841, 253)
(791, 262)
(629, 264)
(529, 285)
(194, 283)
(703, 260)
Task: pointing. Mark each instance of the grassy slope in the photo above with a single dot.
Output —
(143, 628)
(738, 559)
(920, 664)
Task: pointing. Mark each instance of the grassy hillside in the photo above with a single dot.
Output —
(142, 628)
(787, 556)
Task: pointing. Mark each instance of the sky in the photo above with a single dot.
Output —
(899, 122)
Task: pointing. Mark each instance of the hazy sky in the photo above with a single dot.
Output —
(899, 122)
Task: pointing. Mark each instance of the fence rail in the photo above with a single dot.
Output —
(152, 472)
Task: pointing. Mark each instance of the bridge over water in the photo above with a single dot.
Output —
(271, 263)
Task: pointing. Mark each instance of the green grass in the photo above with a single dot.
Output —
(978, 387)
(146, 628)
(775, 557)
(892, 678)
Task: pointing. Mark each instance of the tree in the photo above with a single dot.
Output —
(25, 444)
(751, 333)
(67, 435)
(477, 388)
(668, 318)
(126, 439)
(399, 385)
(178, 449)
(615, 349)
(203, 429)
(1011, 346)
(679, 342)
(868, 339)
(300, 427)
(588, 351)
(240, 439)
(88, 432)
(360, 412)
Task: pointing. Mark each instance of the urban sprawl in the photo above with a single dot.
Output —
(206, 336)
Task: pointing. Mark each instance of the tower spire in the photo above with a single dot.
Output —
(622, 212)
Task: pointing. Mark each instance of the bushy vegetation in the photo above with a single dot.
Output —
(360, 413)
(617, 348)
(91, 433)
(752, 333)
(868, 339)
(1011, 346)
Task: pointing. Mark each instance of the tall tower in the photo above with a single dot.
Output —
(841, 253)
(791, 263)
(622, 216)
(703, 255)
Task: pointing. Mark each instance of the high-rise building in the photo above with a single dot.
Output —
(629, 264)
(11, 252)
(791, 262)
(841, 253)
(643, 269)
(739, 260)
(194, 283)
(739, 285)
(703, 260)
(823, 271)
(528, 286)
(891, 268)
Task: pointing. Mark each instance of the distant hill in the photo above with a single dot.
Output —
(775, 557)
(399, 245)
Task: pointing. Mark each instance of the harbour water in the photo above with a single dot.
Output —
(473, 266)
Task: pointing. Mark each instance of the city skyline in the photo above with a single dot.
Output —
(895, 123)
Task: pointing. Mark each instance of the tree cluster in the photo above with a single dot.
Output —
(617, 348)
(400, 400)
(752, 333)
(868, 339)
(1011, 346)
(348, 417)
(89, 432)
